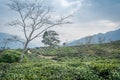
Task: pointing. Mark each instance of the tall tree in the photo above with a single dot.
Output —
(34, 18)
(50, 38)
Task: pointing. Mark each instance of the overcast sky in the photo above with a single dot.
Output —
(90, 17)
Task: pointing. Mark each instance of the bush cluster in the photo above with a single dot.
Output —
(10, 56)
(69, 70)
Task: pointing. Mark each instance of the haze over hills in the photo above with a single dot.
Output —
(108, 37)
(12, 45)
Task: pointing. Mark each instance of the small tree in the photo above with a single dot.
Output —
(64, 44)
(50, 38)
(7, 41)
(34, 19)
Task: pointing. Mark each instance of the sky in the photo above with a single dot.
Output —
(89, 17)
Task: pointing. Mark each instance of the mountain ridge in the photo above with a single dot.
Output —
(108, 36)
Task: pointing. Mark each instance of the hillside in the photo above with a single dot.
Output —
(12, 45)
(108, 37)
(96, 62)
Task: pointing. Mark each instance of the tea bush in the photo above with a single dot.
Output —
(10, 56)
(96, 62)
(67, 70)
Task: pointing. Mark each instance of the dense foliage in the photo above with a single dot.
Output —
(50, 38)
(10, 56)
(93, 62)
(69, 70)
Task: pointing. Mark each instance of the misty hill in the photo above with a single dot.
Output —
(13, 45)
(95, 39)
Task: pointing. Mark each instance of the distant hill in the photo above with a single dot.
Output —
(95, 39)
(13, 45)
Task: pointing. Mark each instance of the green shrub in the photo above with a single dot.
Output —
(72, 69)
(10, 56)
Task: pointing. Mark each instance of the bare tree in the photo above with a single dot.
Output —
(7, 41)
(34, 19)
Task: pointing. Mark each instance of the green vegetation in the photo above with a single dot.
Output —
(10, 56)
(50, 38)
(93, 62)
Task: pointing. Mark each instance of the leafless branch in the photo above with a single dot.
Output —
(34, 17)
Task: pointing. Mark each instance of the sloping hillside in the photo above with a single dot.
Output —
(107, 37)
(12, 45)
(5, 36)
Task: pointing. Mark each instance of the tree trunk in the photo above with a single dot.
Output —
(24, 51)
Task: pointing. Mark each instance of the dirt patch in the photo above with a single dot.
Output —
(47, 57)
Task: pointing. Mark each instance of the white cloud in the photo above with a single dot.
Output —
(79, 30)
(65, 3)
(66, 6)
(68, 32)
(109, 23)
(78, 4)
(75, 31)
